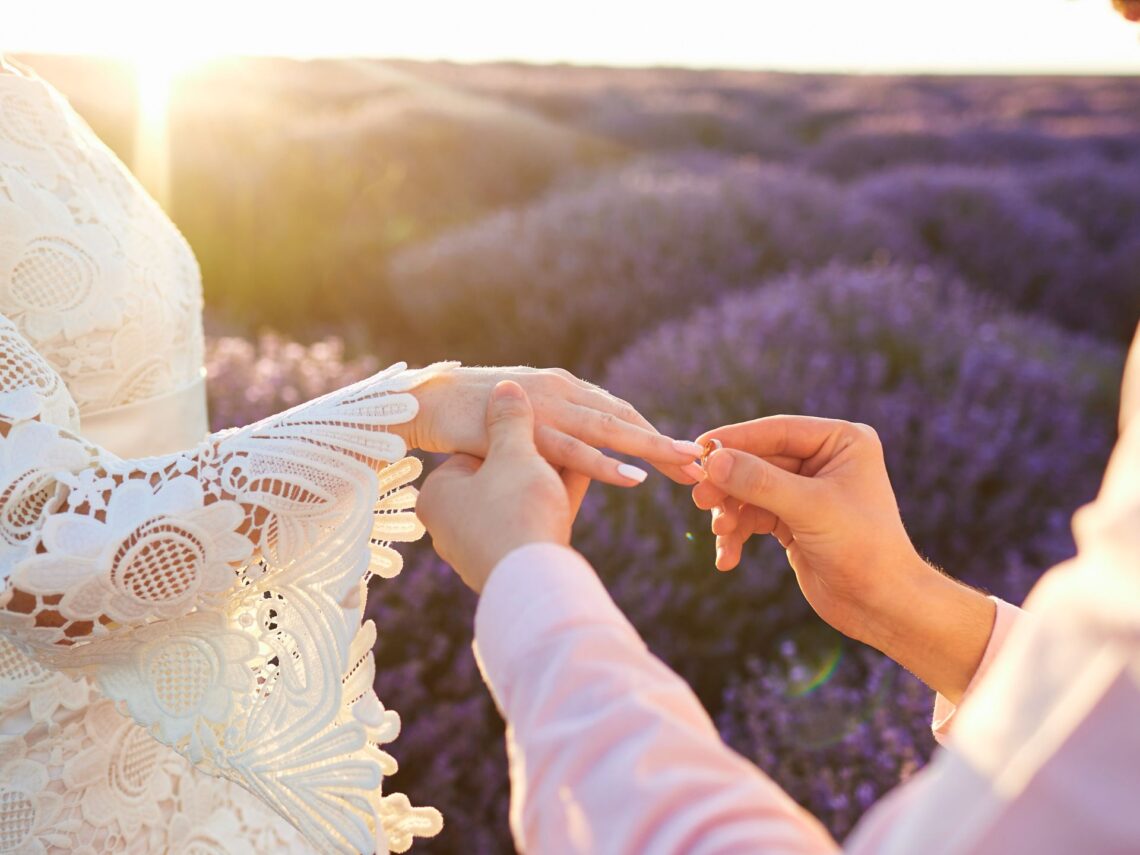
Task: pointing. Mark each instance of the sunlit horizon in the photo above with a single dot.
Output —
(970, 36)
(163, 41)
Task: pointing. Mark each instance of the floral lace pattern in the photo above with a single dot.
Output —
(100, 282)
(216, 595)
(197, 612)
(95, 783)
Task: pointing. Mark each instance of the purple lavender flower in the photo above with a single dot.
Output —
(837, 739)
(995, 427)
(1101, 198)
(860, 151)
(561, 281)
(250, 381)
(986, 225)
(450, 747)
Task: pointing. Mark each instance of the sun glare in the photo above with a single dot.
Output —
(156, 72)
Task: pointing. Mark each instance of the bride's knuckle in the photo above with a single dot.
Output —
(625, 410)
(568, 446)
(609, 423)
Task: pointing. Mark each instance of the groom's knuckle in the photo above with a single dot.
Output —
(507, 411)
(868, 433)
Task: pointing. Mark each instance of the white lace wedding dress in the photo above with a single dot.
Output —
(182, 662)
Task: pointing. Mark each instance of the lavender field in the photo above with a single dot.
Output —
(955, 261)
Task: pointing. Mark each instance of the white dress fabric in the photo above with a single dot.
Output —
(183, 666)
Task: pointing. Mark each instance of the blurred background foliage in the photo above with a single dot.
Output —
(955, 261)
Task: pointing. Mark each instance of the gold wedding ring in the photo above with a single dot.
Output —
(710, 446)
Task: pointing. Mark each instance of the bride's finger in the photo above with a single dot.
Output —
(562, 449)
(606, 429)
(595, 398)
(576, 486)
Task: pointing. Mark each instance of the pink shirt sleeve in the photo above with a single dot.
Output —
(1005, 616)
(609, 750)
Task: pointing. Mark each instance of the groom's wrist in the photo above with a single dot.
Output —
(939, 632)
(505, 554)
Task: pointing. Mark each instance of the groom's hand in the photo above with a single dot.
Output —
(477, 511)
(821, 488)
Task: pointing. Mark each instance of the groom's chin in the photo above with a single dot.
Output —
(1130, 9)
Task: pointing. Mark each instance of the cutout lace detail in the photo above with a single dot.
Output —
(198, 612)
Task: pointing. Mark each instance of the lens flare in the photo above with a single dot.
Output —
(807, 676)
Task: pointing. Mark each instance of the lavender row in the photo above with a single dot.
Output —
(566, 279)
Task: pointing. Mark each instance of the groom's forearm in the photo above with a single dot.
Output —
(937, 629)
(610, 750)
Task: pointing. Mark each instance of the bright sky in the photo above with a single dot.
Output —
(838, 35)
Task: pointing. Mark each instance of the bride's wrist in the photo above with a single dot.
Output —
(416, 433)
(405, 431)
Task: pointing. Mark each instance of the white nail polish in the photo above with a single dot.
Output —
(625, 470)
(685, 446)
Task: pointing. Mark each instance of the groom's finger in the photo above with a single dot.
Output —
(728, 549)
(707, 495)
(786, 436)
(510, 421)
(458, 465)
(754, 520)
(726, 516)
(433, 495)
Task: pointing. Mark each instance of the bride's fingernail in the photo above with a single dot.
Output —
(625, 470)
(685, 446)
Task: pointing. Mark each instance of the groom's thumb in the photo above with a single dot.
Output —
(755, 481)
(510, 421)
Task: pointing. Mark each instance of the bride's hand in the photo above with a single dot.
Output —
(573, 419)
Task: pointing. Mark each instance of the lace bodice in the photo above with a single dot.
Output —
(197, 611)
(100, 282)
